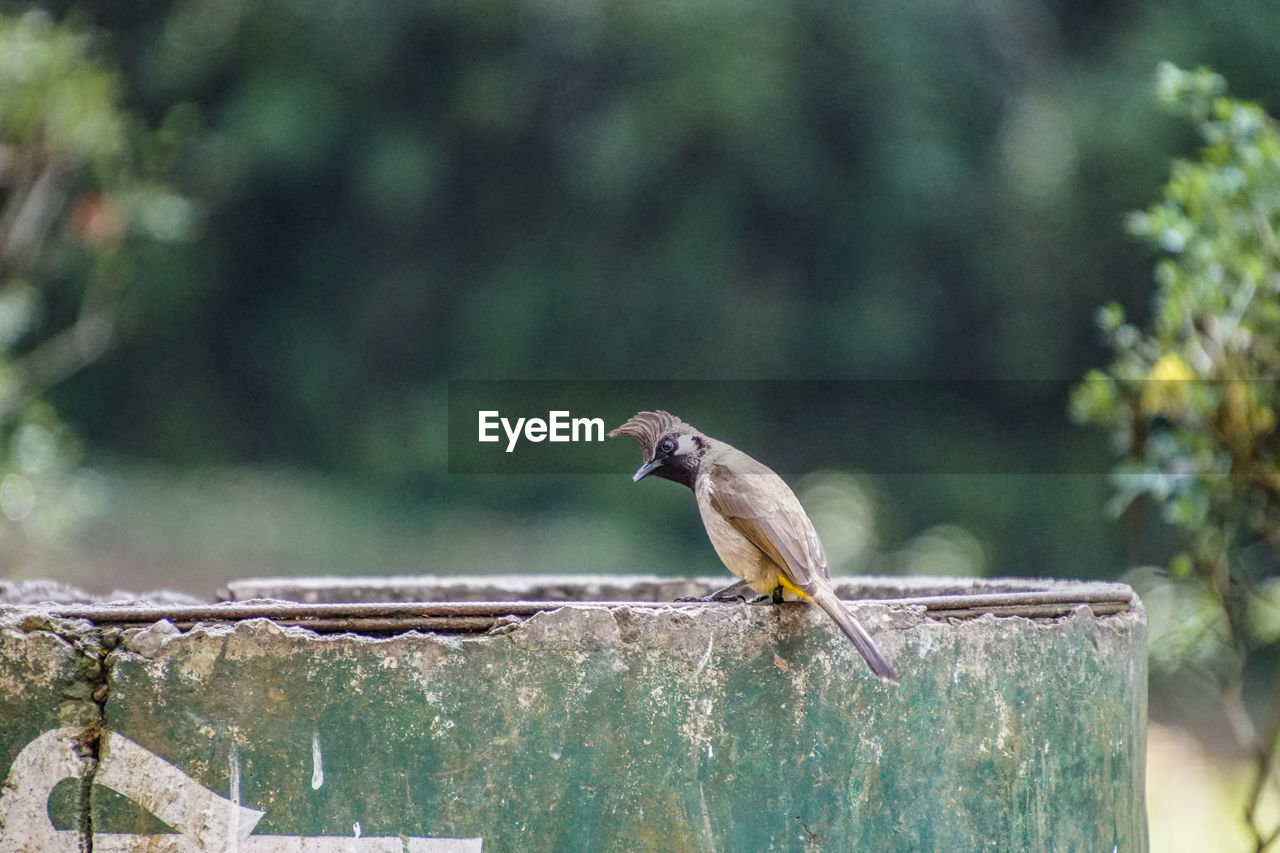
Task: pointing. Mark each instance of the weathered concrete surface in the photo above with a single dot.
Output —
(41, 591)
(701, 727)
(656, 588)
(50, 679)
(691, 727)
(314, 590)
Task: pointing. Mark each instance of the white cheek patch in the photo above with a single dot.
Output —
(684, 444)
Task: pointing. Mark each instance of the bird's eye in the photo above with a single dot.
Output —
(667, 445)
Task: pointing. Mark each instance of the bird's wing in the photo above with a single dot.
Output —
(762, 508)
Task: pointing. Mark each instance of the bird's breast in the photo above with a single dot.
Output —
(734, 549)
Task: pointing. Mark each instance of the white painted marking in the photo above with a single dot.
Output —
(40, 766)
(202, 820)
(317, 765)
(233, 814)
(706, 818)
(706, 657)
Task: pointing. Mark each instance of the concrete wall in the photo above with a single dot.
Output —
(587, 727)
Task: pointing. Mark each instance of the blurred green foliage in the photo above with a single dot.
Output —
(1191, 403)
(77, 186)
(405, 192)
(408, 191)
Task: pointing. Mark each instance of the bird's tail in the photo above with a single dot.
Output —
(825, 598)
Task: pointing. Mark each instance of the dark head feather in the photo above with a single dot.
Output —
(648, 428)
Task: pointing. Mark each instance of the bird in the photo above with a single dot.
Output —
(754, 521)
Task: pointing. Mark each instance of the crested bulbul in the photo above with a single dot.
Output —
(754, 520)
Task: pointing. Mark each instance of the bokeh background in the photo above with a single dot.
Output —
(359, 201)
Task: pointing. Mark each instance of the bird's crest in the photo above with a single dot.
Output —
(648, 428)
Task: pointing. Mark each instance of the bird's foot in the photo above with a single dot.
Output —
(777, 594)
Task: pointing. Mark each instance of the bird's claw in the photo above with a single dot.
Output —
(732, 592)
(709, 597)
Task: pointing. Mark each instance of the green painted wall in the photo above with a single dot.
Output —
(662, 728)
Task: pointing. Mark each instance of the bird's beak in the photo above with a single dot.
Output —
(646, 469)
